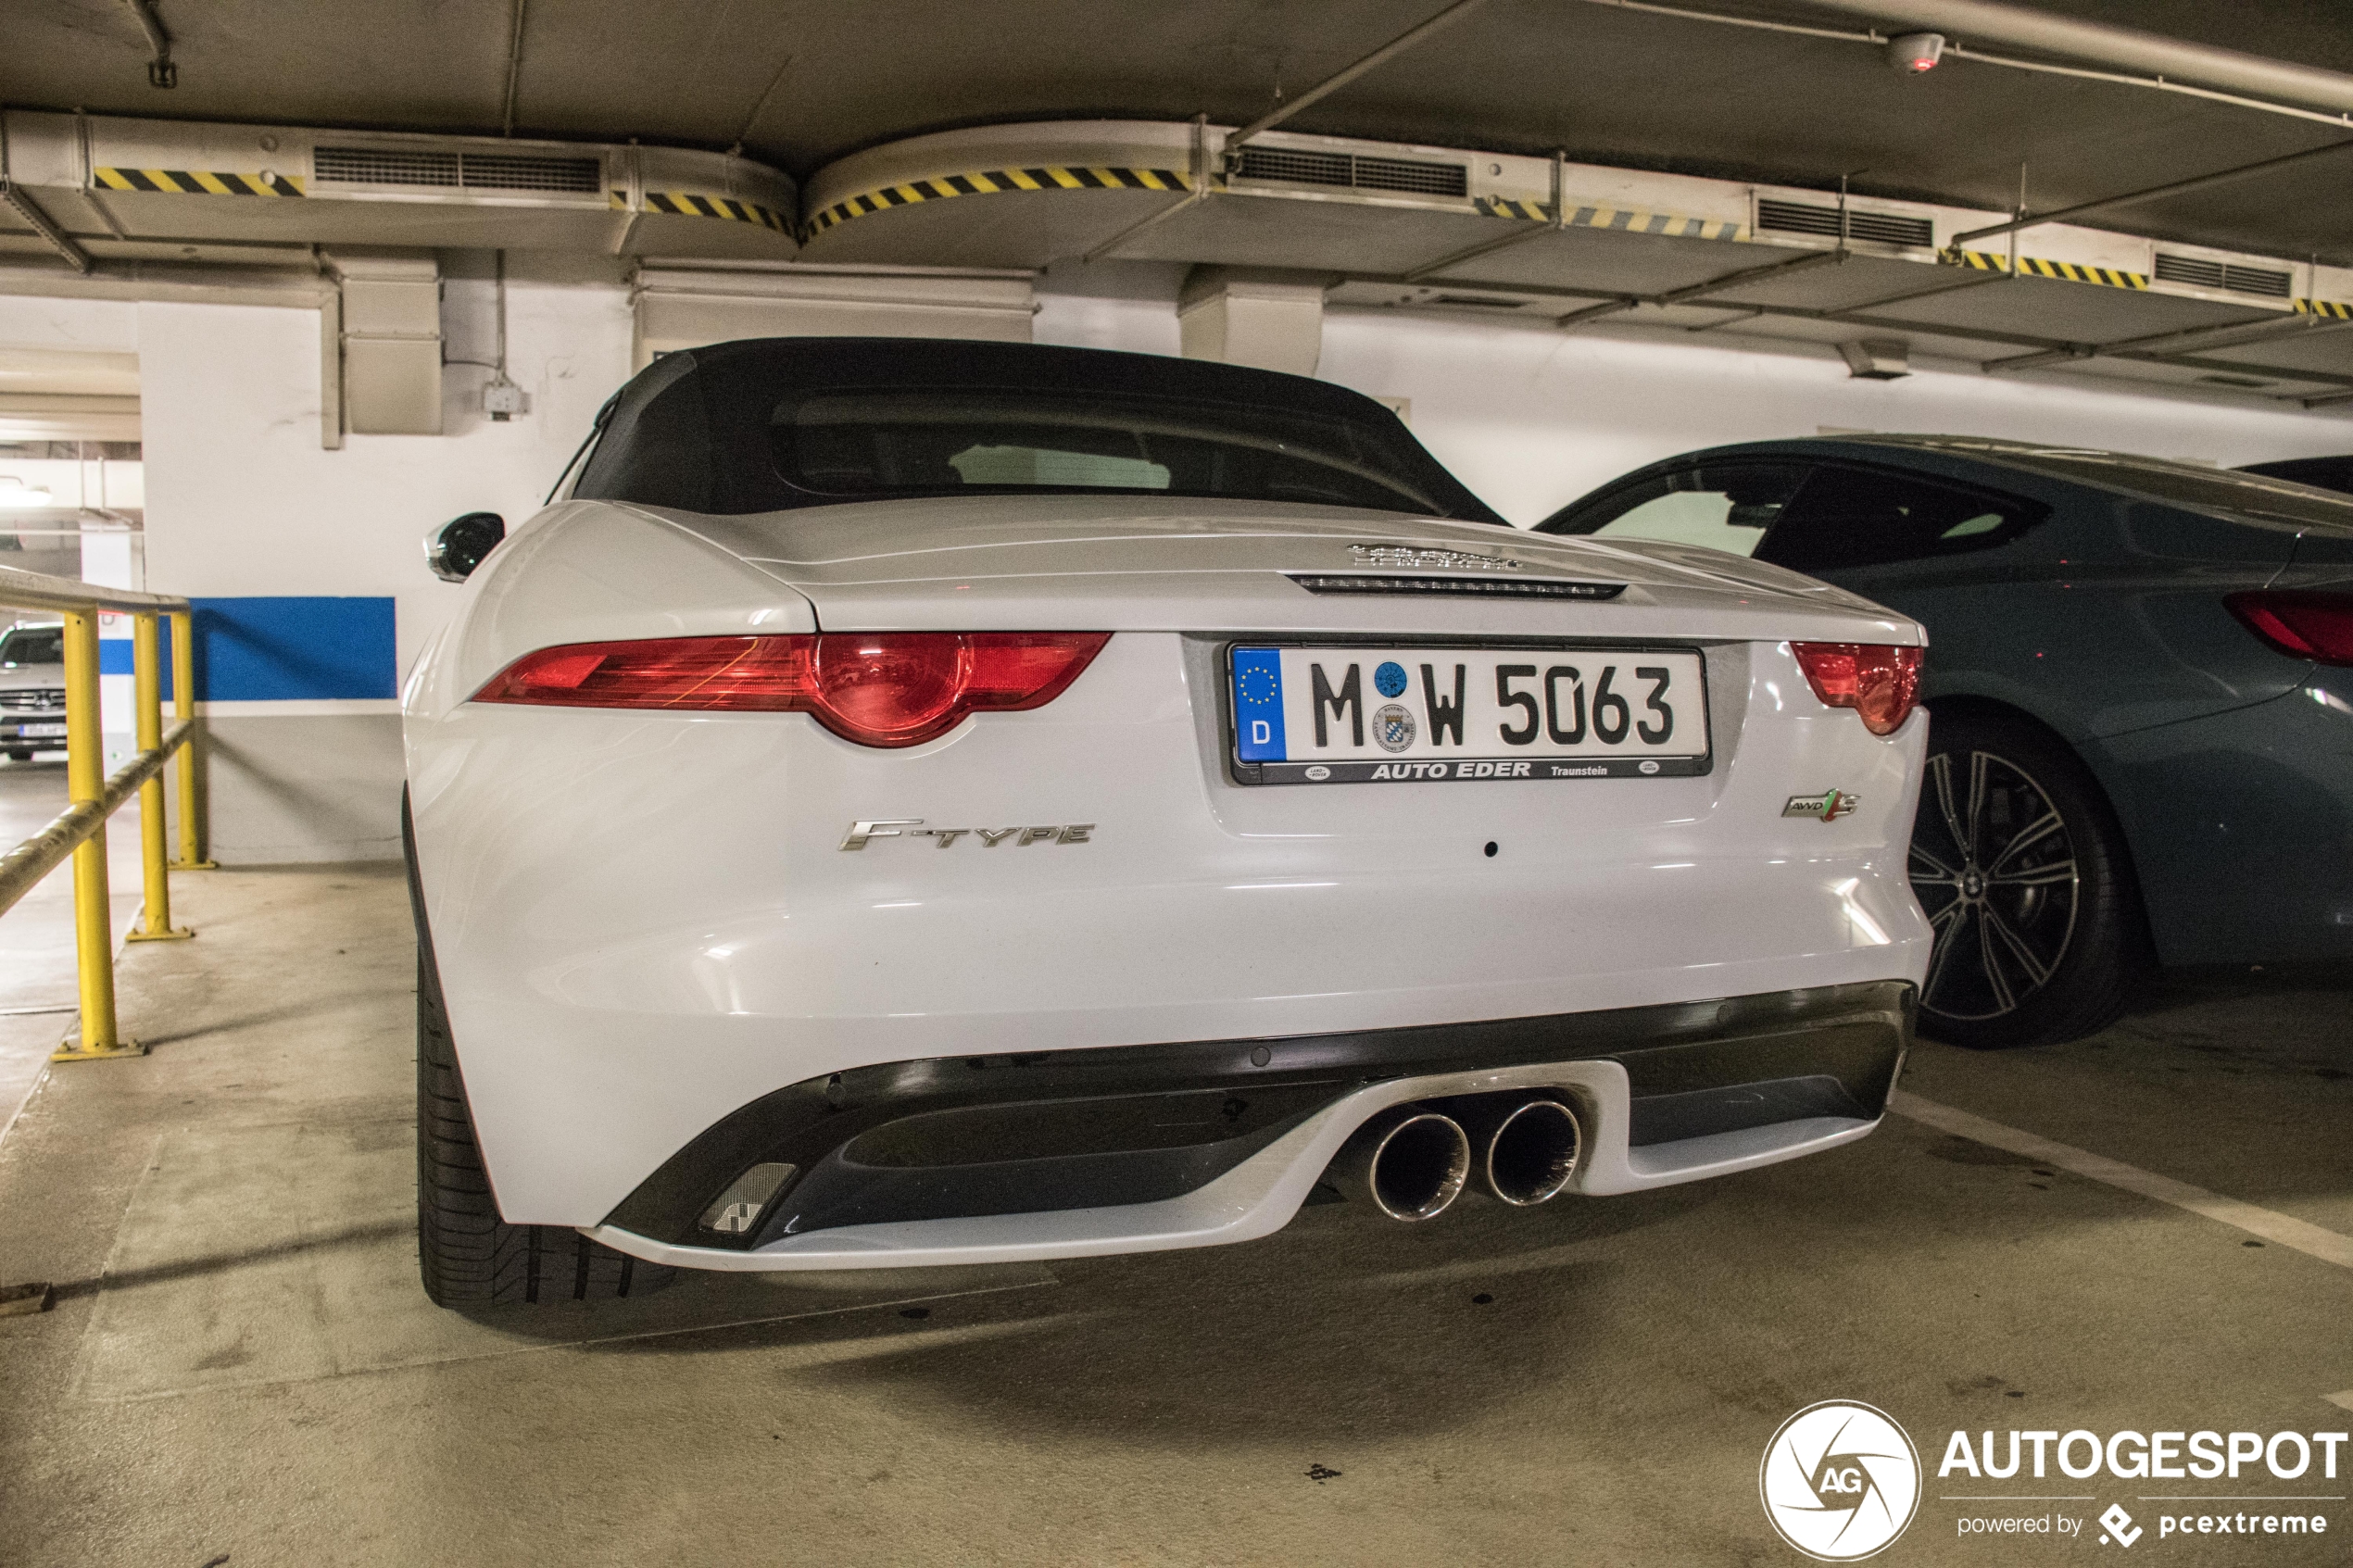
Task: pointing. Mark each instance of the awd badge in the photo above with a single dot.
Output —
(1829, 806)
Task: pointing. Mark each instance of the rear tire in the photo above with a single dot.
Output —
(2021, 866)
(468, 1255)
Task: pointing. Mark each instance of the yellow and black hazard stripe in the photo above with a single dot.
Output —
(986, 182)
(2335, 309)
(2066, 271)
(1630, 220)
(199, 182)
(690, 203)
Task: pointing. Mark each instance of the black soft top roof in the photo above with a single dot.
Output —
(695, 429)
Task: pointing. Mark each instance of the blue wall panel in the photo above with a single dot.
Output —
(268, 650)
(282, 648)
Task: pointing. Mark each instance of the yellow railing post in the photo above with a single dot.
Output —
(86, 781)
(155, 923)
(184, 706)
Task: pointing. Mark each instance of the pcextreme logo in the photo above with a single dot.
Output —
(1840, 1481)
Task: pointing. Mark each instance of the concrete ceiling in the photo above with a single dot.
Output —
(800, 84)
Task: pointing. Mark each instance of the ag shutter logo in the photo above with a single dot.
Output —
(1840, 1481)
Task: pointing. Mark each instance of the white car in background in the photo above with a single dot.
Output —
(32, 690)
(940, 803)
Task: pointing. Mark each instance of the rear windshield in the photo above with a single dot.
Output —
(928, 441)
(769, 424)
(33, 644)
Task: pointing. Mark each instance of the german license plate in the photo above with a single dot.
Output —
(30, 732)
(1357, 715)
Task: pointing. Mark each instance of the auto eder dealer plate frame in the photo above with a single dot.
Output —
(1467, 768)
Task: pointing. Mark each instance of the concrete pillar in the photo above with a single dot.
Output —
(1242, 316)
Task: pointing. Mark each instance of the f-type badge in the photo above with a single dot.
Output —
(1829, 806)
(862, 832)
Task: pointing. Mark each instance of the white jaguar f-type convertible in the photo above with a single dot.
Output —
(936, 803)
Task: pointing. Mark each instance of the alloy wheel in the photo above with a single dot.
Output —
(1994, 866)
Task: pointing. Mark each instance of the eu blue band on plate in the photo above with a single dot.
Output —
(1258, 705)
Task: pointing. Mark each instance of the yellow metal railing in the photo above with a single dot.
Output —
(80, 829)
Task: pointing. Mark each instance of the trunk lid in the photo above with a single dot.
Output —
(1095, 563)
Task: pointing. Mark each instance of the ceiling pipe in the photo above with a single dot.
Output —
(1864, 316)
(1379, 56)
(2189, 347)
(2173, 188)
(1701, 291)
(1201, 179)
(1978, 22)
(1978, 54)
(514, 67)
(161, 72)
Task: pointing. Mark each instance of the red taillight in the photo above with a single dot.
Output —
(882, 688)
(2305, 624)
(1877, 681)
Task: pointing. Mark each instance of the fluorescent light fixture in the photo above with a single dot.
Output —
(15, 495)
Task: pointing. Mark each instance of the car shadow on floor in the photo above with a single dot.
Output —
(2282, 1013)
(1344, 1323)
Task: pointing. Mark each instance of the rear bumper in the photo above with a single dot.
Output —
(645, 921)
(1147, 1147)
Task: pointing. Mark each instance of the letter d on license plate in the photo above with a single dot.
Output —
(1376, 715)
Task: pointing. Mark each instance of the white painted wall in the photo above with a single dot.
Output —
(1533, 419)
(1079, 320)
(242, 499)
(102, 326)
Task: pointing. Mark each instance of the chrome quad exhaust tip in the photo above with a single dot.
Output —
(1413, 1161)
(1527, 1150)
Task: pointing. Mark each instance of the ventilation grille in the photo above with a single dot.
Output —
(1882, 228)
(372, 165)
(1305, 168)
(1486, 587)
(458, 171)
(2199, 272)
(50, 700)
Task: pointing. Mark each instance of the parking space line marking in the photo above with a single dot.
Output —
(2309, 1239)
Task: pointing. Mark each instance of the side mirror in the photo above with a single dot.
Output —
(455, 548)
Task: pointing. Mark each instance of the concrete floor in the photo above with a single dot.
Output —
(38, 996)
(241, 1370)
